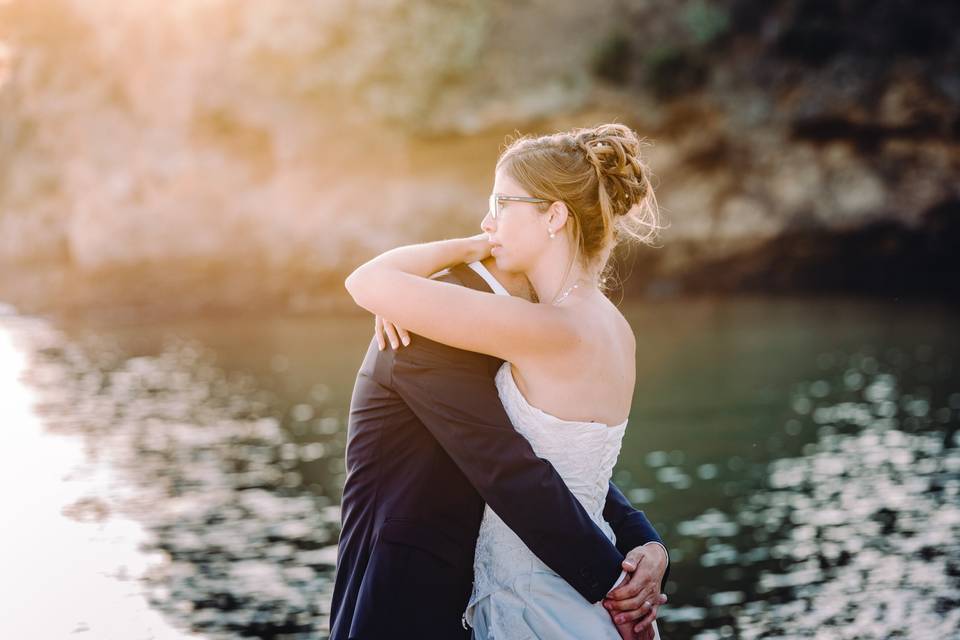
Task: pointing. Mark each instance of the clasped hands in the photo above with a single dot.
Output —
(633, 605)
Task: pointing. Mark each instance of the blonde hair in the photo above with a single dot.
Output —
(598, 174)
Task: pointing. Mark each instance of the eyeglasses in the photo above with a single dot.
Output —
(496, 199)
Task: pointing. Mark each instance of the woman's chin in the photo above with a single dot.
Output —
(503, 262)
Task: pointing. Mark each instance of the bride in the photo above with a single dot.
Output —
(559, 206)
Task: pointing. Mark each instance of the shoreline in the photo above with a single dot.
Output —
(151, 294)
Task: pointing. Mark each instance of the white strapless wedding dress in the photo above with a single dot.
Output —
(515, 595)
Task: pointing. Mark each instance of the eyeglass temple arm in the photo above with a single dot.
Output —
(521, 199)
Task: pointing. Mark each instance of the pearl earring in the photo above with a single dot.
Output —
(553, 235)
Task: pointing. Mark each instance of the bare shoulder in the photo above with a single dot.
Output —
(605, 334)
(622, 326)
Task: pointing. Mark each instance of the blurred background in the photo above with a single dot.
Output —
(184, 185)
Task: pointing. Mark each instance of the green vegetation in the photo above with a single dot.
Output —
(704, 21)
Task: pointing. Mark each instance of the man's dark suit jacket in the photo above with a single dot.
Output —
(428, 443)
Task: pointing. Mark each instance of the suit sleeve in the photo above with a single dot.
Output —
(455, 396)
(631, 526)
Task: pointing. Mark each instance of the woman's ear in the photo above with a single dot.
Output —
(557, 216)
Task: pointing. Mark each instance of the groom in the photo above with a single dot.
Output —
(428, 443)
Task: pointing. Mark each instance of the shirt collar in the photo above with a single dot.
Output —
(484, 273)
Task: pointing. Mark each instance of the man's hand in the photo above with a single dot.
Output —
(637, 600)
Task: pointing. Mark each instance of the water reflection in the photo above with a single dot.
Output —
(70, 563)
(868, 528)
(810, 494)
(859, 537)
(240, 547)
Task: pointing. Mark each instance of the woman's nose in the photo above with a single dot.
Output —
(487, 224)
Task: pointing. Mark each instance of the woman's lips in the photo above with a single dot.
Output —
(495, 249)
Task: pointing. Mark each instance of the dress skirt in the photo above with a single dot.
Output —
(541, 605)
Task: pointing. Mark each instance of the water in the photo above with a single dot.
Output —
(799, 456)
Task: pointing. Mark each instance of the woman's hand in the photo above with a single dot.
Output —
(632, 630)
(476, 248)
(627, 632)
(385, 330)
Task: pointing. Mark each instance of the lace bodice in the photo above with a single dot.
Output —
(583, 453)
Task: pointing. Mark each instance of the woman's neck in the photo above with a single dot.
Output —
(547, 280)
(556, 271)
(515, 283)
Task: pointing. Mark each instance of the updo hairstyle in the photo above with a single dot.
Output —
(598, 173)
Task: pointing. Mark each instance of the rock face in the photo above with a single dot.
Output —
(302, 137)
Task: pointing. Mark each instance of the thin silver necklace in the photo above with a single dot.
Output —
(563, 296)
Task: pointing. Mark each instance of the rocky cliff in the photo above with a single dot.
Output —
(206, 154)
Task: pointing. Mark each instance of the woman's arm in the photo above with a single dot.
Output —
(396, 285)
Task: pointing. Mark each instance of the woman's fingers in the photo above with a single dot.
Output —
(385, 330)
(642, 609)
(631, 604)
(480, 247)
(635, 615)
(645, 633)
(626, 632)
(378, 332)
(391, 332)
(647, 620)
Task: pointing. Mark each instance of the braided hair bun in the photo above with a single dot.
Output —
(614, 152)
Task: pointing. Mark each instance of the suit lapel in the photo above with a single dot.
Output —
(472, 279)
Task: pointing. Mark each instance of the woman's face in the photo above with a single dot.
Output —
(519, 231)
